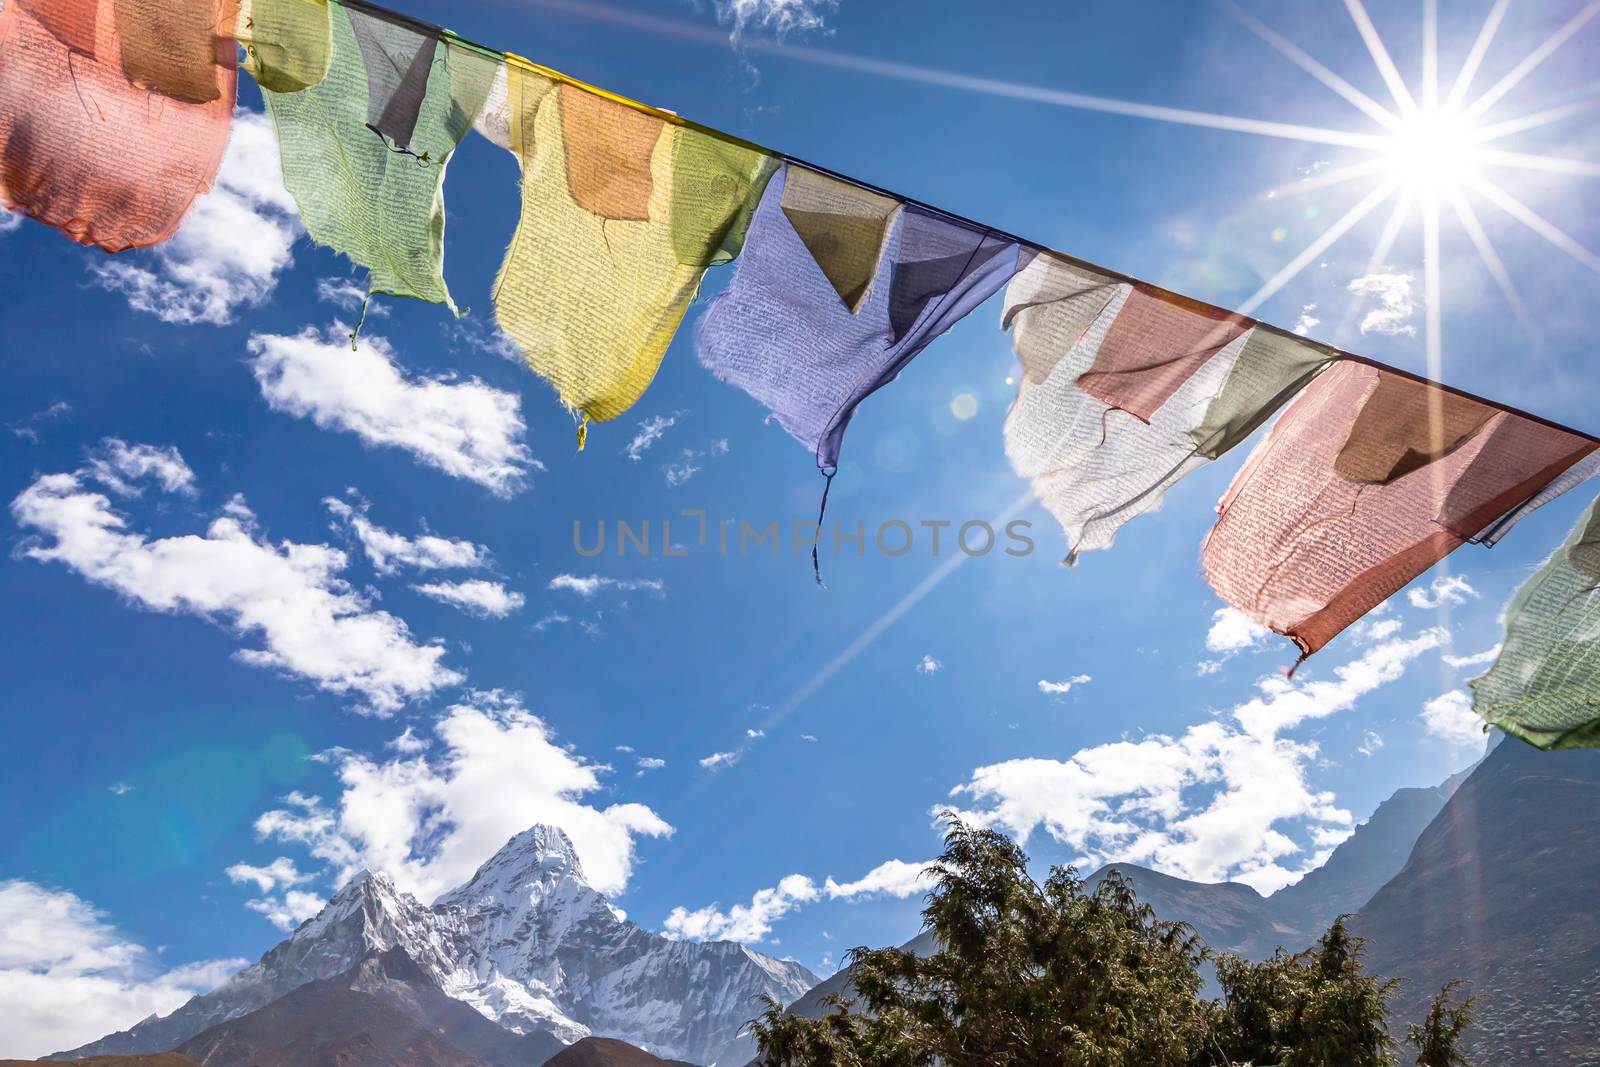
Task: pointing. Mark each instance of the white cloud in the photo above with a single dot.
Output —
(779, 17)
(1218, 802)
(9, 220)
(718, 760)
(289, 596)
(120, 789)
(464, 428)
(554, 618)
(67, 976)
(588, 587)
(1477, 659)
(1370, 630)
(1445, 590)
(1370, 743)
(681, 469)
(895, 878)
(1307, 321)
(481, 334)
(651, 430)
(348, 296)
(720, 447)
(747, 923)
(227, 254)
(1450, 718)
(408, 743)
(928, 665)
(280, 872)
(121, 466)
(752, 922)
(1062, 688)
(486, 600)
(288, 911)
(1396, 303)
(28, 429)
(753, 733)
(391, 551)
(809, 737)
(428, 822)
(1232, 632)
(650, 763)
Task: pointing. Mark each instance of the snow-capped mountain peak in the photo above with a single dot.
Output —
(526, 941)
(535, 860)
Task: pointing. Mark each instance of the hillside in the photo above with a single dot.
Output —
(1500, 891)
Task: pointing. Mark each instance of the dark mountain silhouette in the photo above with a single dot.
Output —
(1500, 891)
(1232, 917)
(608, 1052)
(384, 1012)
(149, 1059)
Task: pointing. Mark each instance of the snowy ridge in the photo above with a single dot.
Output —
(528, 943)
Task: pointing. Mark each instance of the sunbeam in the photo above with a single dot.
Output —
(1484, 134)
(1329, 178)
(1497, 270)
(1319, 246)
(1355, 97)
(1531, 62)
(1548, 164)
(1480, 48)
(1432, 285)
(1380, 56)
(1430, 56)
(1380, 253)
(1533, 221)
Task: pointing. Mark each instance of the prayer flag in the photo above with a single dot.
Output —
(807, 331)
(1126, 389)
(622, 212)
(85, 149)
(365, 148)
(1368, 480)
(1544, 686)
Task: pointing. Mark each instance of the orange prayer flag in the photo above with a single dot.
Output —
(85, 149)
(1368, 480)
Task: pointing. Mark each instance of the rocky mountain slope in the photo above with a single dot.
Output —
(528, 943)
(1232, 917)
(157, 1059)
(1500, 891)
(384, 1012)
(608, 1052)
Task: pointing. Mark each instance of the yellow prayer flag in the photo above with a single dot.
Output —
(622, 211)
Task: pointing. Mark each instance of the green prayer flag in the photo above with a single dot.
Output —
(364, 150)
(1545, 685)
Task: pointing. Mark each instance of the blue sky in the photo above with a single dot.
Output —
(194, 633)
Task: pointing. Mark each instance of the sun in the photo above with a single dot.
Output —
(1433, 152)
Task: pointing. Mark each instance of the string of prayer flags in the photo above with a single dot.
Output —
(1126, 389)
(1367, 480)
(804, 329)
(288, 44)
(622, 212)
(113, 113)
(365, 147)
(1544, 686)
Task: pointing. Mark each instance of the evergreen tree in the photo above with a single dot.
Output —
(1057, 975)
(1436, 1039)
